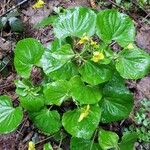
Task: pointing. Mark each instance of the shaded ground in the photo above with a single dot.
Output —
(29, 16)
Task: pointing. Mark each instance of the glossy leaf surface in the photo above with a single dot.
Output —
(86, 127)
(67, 71)
(54, 59)
(10, 117)
(113, 25)
(28, 52)
(32, 102)
(75, 22)
(128, 141)
(108, 140)
(133, 64)
(84, 94)
(82, 144)
(117, 101)
(47, 121)
(56, 92)
(94, 73)
(47, 146)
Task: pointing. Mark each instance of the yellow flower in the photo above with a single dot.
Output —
(97, 56)
(84, 39)
(38, 4)
(84, 113)
(94, 44)
(130, 46)
(31, 146)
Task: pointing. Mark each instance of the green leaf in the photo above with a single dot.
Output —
(59, 136)
(108, 53)
(117, 101)
(128, 141)
(47, 121)
(54, 60)
(32, 102)
(22, 87)
(25, 87)
(46, 21)
(83, 144)
(112, 25)
(56, 92)
(47, 146)
(133, 64)
(84, 94)
(28, 52)
(67, 71)
(94, 73)
(16, 24)
(108, 140)
(55, 45)
(86, 127)
(10, 117)
(75, 22)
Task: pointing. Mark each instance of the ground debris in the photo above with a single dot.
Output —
(143, 38)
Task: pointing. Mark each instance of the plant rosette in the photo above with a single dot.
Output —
(81, 75)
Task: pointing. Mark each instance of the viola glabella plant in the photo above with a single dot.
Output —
(80, 69)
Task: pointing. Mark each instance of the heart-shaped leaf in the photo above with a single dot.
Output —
(82, 144)
(84, 94)
(10, 117)
(47, 121)
(117, 101)
(32, 102)
(16, 24)
(108, 140)
(84, 128)
(47, 146)
(94, 73)
(75, 22)
(54, 60)
(25, 87)
(128, 140)
(67, 71)
(46, 21)
(28, 52)
(112, 25)
(56, 92)
(133, 64)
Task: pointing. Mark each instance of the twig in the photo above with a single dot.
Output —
(45, 139)
(116, 5)
(145, 17)
(137, 4)
(14, 7)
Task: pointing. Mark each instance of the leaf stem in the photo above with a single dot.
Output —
(93, 139)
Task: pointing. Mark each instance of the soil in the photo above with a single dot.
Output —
(26, 131)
